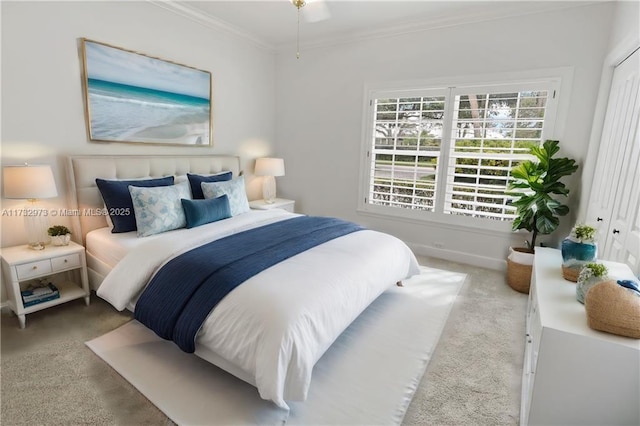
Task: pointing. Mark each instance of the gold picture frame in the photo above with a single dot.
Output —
(134, 98)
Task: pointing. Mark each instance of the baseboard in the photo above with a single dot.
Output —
(457, 256)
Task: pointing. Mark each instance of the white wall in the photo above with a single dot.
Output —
(626, 23)
(42, 101)
(320, 103)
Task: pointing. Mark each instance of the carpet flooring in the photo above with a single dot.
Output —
(48, 376)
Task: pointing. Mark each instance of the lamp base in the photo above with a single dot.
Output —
(36, 222)
(269, 189)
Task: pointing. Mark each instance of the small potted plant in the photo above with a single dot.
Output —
(578, 249)
(60, 235)
(591, 274)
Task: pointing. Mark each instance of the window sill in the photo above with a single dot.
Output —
(446, 221)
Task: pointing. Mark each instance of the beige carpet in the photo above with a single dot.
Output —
(472, 379)
(367, 377)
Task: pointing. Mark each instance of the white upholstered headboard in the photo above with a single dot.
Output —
(82, 172)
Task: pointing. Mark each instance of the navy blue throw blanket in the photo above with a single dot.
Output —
(185, 290)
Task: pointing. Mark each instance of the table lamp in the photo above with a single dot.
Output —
(31, 182)
(269, 168)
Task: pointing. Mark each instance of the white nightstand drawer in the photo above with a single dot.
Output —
(33, 269)
(65, 262)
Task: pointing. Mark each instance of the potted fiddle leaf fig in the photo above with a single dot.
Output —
(535, 187)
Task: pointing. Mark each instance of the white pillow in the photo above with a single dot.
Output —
(234, 189)
(159, 209)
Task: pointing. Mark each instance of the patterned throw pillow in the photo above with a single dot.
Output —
(159, 209)
(234, 189)
(117, 199)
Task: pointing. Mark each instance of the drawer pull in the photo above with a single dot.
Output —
(599, 219)
(34, 268)
(66, 260)
(616, 231)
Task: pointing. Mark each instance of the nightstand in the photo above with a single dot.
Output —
(278, 203)
(64, 265)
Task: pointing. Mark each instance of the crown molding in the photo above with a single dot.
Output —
(209, 21)
(459, 19)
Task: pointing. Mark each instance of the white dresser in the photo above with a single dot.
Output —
(574, 375)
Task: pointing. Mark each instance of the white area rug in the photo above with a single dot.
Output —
(368, 376)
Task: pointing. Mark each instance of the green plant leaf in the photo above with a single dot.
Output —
(561, 210)
(547, 224)
(532, 186)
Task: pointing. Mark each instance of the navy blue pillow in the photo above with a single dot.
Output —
(117, 199)
(199, 212)
(196, 180)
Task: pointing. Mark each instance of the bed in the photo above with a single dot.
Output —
(270, 330)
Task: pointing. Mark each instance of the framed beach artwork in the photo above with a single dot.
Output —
(131, 97)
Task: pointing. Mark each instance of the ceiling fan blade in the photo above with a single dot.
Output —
(316, 11)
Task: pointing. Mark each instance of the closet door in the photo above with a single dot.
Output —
(615, 198)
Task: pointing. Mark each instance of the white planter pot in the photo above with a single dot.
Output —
(521, 257)
(61, 240)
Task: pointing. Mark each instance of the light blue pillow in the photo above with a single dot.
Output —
(159, 209)
(200, 212)
(196, 180)
(234, 189)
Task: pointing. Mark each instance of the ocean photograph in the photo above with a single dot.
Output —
(136, 98)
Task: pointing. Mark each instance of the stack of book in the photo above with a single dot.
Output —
(39, 295)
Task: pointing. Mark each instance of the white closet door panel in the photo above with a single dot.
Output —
(623, 243)
(609, 157)
(613, 203)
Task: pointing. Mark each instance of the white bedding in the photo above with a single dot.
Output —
(111, 248)
(276, 325)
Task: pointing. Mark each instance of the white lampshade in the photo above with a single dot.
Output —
(269, 167)
(31, 183)
(28, 182)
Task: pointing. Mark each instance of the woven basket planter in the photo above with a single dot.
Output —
(613, 309)
(519, 276)
(570, 274)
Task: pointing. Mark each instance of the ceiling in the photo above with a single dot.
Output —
(272, 23)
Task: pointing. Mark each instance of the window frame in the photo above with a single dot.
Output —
(556, 109)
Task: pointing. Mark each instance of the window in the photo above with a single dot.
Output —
(406, 149)
(449, 151)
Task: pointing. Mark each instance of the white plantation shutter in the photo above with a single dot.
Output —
(491, 132)
(405, 151)
(450, 151)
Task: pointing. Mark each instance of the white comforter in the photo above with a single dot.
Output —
(276, 325)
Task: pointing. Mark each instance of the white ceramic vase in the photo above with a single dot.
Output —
(61, 240)
(585, 283)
